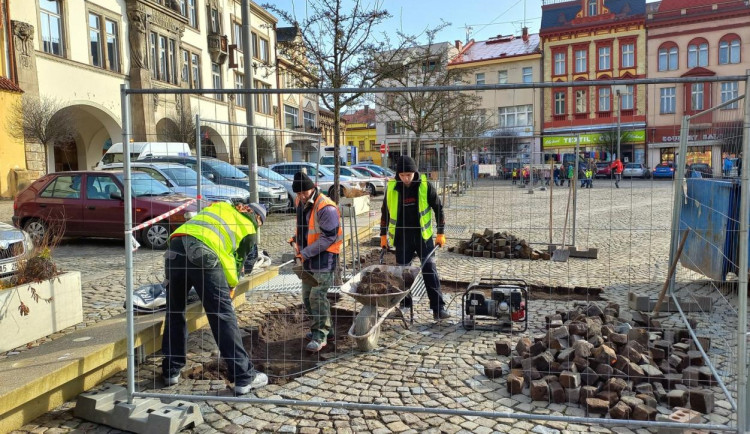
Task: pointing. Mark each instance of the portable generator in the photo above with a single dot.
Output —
(496, 304)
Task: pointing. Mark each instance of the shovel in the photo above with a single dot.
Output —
(300, 271)
(562, 254)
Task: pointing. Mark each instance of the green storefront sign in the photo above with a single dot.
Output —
(636, 137)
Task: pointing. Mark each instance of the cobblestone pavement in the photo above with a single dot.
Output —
(434, 365)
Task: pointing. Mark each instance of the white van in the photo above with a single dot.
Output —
(140, 150)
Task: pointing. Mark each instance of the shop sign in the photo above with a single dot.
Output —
(635, 137)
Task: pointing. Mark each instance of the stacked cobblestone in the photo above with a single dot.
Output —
(621, 368)
(498, 245)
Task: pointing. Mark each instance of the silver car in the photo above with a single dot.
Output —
(182, 179)
(267, 174)
(15, 245)
(635, 170)
(324, 176)
(373, 185)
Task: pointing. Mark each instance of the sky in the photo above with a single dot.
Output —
(484, 17)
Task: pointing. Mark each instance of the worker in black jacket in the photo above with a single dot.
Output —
(406, 221)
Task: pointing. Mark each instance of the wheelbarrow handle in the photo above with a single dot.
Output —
(385, 250)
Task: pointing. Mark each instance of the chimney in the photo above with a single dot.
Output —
(459, 45)
(367, 108)
(525, 34)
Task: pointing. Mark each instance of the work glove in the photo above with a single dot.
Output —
(298, 258)
(440, 240)
(231, 293)
(384, 241)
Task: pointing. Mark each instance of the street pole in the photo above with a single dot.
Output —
(619, 113)
(575, 189)
(252, 152)
(743, 418)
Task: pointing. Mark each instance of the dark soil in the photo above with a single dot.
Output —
(278, 346)
(378, 282)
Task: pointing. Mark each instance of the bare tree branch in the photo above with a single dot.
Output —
(41, 120)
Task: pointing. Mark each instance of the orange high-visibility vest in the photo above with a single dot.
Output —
(313, 229)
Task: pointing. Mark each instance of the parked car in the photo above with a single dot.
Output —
(182, 179)
(90, 204)
(324, 176)
(664, 170)
(603, 169)
(270, 175)
(703, 170)
(15, 246)
(373, 184)
(636, 170)
(375, 170)
(220, 172)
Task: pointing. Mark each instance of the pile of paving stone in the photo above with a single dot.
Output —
(622, 368)
(499, 245)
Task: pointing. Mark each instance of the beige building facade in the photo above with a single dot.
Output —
(80, 53)
(514, 114)
(704, 39)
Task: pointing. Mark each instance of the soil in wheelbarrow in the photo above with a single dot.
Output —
(379, 282)
(277, 347)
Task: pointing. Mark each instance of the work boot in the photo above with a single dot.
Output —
(309, 336)
(315, 346)
(441, 314)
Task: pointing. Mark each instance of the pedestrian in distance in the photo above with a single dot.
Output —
(617, 170)
(589, 177)
(727, 166)
(570, 173)
(556, 174)
(514, 175)
(406, 223)
(318, 239)
(208, 252)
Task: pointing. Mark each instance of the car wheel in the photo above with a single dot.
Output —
(155, 236)
(371, 190)
(290, 203)
(37, 229)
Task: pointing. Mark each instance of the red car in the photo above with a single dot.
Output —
(90, 204)
(603, 169)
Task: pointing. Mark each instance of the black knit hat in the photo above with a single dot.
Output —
(405, 164)
(302, 182)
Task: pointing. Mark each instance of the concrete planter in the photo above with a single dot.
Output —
(44, 319)
(357, 205)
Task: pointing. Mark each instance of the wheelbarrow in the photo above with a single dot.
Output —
(366, 328)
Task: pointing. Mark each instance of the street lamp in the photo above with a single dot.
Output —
(618, 89)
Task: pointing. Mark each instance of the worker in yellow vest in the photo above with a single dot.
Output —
(406, 224)
(208, 252)
(318, 238)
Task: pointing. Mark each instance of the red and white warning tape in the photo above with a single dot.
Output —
(163, 216)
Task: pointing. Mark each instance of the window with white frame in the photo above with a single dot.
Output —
(527, 74)
(581, 60)
(112, 53)
(394, 127)
(291, 117)
(560, 103)
(262, 101)
(309, 120)
(581, 101)
(51, 23)
(605, 58)
(627, 55)
(502, 76)
(592, 8)
(667, 100)
(626, 98)
(479, 77)
(667, 58)
(560, 63)
(214, 20)
(195, 71)
(163, 58)
(95, 40)
(515, 116)
(239, 83)
(697, 54)
(216, 80)
(729, 90)
(605, 95)
(237, 34)
(192, 14)
(729, 51)
(264, 51)
(697, 98)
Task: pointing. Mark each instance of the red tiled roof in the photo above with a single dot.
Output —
(497, 48)
(361, 116)
(8, 85)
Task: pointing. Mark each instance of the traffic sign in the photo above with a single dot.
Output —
(384, 148)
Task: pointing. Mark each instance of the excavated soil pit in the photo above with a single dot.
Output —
(277, 347)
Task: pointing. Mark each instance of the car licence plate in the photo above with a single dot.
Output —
(8, 268)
